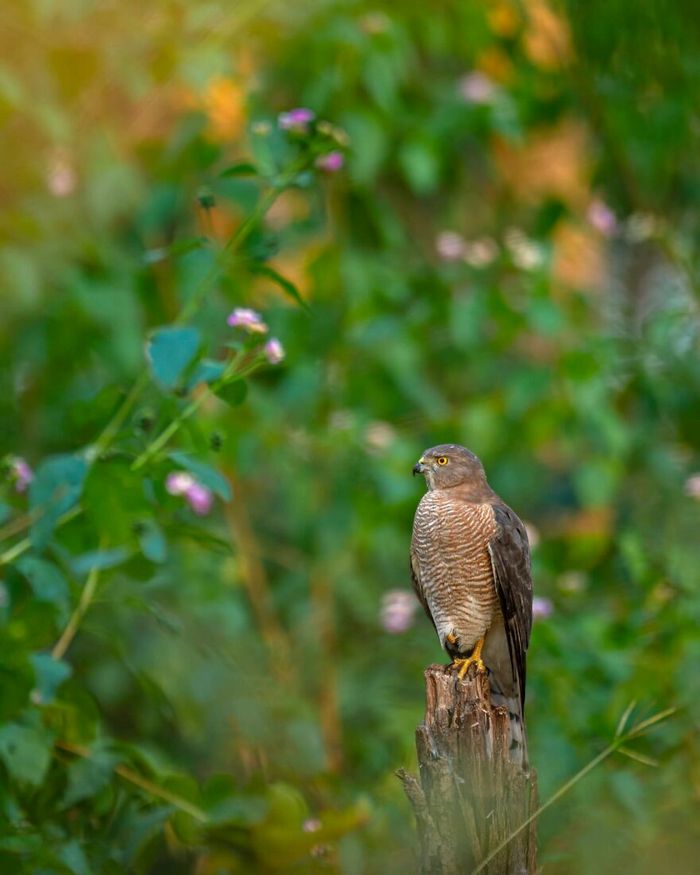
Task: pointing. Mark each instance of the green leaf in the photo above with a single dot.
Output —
(50, 674)
(25, 748)
(282, 282)
(169, 351)
(56, 487)
(46, 581)
(87, 776)
(182, 247)
(152, 542)
(233, 393)
(73, 856)
(206, 371)
(114, 499)
(225, 804)
(243, 168)
(207, 476)
(419, 162)
(203, 538)
(100, 559)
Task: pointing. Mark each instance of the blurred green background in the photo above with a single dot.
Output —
(507, 259)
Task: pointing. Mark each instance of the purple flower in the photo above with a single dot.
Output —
(250, 320)
(397, 610)
(331, 163)
(21, 473)
(199, 498)
(477, 88)
(692, 486)
(296, 120)
(274, 351)
(450, 246)
(542, 608)
(602, 217)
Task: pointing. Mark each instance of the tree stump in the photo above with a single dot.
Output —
(470, 796)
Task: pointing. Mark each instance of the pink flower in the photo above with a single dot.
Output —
(331, 163)
(250, 320)
(477, 88)
(296, 120)
(542, 608)
(450, 246)
(602, 217)
(274, 351)
(692, 486)
(179, 482)
(21, 473)
(397, 610)
(199, 497)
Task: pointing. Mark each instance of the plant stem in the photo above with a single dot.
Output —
(168, 432)
(233, 242)
(86, 597)
(560, 792)
(22, 546)
(110, 431)
(233, 371)
(18, 524)
(142, 783)
(618, 742)
(190, 308)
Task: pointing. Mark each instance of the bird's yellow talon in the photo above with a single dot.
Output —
(465, 663)
(474, 659)
(450, 638)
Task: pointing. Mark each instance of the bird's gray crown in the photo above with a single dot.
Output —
(455, 450)
(449, 465)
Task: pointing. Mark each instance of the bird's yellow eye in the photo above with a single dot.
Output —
(442, 460)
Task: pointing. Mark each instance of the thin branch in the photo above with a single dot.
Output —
(256, 585)
(18, 524)
(22, 546)
(86, 597)
(617, 744)
(142, 783)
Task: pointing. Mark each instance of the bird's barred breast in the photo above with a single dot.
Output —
(450, 543)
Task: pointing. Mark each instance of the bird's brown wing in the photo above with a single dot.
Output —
(418, 587)
(510, 561)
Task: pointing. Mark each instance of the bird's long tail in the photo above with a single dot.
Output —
(518, 733)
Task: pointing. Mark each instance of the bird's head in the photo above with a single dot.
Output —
(450, 465)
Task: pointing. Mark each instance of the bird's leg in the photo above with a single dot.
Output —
(470, 660)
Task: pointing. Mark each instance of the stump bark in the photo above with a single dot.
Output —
(469, 796)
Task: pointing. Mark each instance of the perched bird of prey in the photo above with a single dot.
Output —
(470, 561)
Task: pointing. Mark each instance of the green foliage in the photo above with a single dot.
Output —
(195, 672)
(170, 351)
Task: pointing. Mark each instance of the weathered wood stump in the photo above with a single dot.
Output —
(470, 796)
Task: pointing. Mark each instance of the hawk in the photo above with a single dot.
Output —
(470, 562)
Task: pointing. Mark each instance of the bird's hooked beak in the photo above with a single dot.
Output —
(419, 467)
